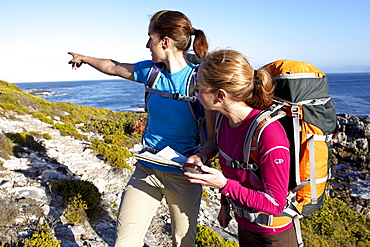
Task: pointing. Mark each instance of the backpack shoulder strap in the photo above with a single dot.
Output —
(152, 79)
(261, 121)
(250, 149)
(195, 106)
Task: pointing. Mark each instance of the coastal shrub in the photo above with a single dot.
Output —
(42, 117)
(43, 237)
(38, 135)
(16, 108)
(47, 136)
(75, 210)
(119, 131)
(19, 100)
(206, 237)
(111, 126)
(6, 147)
(24, 139)
(10, 86)
(113, 155)
(69, 130)
(335, 225)
(78, 113)
(10, 95)
(205, 193)
(85, 191)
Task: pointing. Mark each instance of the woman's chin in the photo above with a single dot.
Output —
(155, 60)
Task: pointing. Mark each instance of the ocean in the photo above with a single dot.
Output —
(350, 92)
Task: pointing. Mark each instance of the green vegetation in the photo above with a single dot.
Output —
(206, 237)
(79, 195)
(113, 155)
(117, 128)
(69, 130)
(47, 136)
(335, 225)
(42, 117)
(6, 147)
(24, 139)
(41, 238)
(75, 210)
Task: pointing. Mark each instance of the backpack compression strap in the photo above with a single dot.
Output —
(296, 113)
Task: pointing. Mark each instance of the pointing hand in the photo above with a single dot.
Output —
(76, 60)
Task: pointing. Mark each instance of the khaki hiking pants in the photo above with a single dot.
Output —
(140, 201)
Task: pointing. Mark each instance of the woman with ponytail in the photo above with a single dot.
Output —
(228, 84)
(170, 123)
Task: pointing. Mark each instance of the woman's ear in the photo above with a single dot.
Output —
(166, 41)
(222, 94)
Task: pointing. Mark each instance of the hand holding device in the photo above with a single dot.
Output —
(193, 168)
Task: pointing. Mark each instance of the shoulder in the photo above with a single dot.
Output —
(142, 69)
(274, 135)
(147, 64)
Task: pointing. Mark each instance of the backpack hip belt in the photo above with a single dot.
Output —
(264, 219)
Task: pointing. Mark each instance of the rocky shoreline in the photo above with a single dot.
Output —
(25, 183)
(351, 163)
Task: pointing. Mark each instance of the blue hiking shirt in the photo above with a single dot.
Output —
(170, 122)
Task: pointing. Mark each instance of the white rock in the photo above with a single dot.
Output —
(34, 193)
(51, 175)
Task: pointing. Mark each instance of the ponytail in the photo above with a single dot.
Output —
(263, 90)
(200, 44)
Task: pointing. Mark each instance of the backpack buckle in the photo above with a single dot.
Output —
(243, 166)
(181, 97)
(177, 96)
(295, 111)
(252, 167)
(236, 164)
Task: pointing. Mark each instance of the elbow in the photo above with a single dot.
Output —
(278, 211)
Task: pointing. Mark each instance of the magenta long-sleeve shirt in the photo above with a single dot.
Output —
(243, 187)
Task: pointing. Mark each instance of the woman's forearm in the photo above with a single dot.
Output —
(106, 66)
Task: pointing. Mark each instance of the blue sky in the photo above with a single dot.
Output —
(35, 36)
